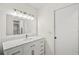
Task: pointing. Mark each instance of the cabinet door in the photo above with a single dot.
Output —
(34, 48)
(14, 51)
(29, 48)
(39, 48)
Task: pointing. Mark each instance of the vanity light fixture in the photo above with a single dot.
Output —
(29, 17)
(13, 13)
(25, 16)
(32, 18)
(22, 14)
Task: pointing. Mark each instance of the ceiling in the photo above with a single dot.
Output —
(38, 5)
(42, 5)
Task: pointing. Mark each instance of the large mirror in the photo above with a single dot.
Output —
(17, 25)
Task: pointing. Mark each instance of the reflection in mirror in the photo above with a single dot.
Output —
(14, 25)
(17, 25)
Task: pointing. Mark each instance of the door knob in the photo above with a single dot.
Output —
(55, 37)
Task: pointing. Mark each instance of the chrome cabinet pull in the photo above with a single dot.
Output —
(42, 46)
(33, 52)
(32, 45)
(41, 50)
(41, 42)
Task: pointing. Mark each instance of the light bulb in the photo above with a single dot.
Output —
(14, 14)
(29, 17)
(24, 16)
(20, 15)
(32, 18)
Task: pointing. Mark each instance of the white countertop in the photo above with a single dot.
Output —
(17, 42)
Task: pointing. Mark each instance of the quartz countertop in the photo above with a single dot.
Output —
(17, 42)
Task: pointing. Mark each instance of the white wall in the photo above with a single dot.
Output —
(7, 8)
(9, 24)
(46, 25)
(2, 25)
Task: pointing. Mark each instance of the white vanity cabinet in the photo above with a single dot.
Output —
(35, 47)
(29, 48)
(14, 51)
(40, 47)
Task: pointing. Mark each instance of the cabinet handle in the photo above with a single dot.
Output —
(33, 52)
(33, 45)
(42, 46)
(41, 50)
(15, 53)
(41, 42)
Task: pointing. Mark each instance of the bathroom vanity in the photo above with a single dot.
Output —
(29, 46)
(15, 44)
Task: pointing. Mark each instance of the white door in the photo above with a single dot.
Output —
(66, 22)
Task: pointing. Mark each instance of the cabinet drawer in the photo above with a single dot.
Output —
(34, 48)
(40, 44)
(41, 50)
(29, 48)
(14, 51)
(32, 45)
